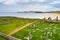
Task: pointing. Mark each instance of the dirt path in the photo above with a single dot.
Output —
(18, 29)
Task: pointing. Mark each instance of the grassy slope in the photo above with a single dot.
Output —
(23, 33)
(41, 26)
(7, 24)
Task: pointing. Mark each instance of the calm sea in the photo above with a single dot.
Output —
(30, 15)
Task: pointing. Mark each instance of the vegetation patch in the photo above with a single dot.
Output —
(9, 24)
(40, 31)
(2, 38)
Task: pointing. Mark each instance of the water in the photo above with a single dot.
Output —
(31, 15)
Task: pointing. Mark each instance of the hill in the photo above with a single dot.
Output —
(39, 12)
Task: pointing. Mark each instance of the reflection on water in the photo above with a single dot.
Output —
(32, 15)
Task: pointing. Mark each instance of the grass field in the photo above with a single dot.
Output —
(2, 38)
(8, 24)
(39, 30)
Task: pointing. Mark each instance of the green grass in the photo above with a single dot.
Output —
(2, 38)
(37, 33)
(38, 29)
(23, 33)
(8, 24)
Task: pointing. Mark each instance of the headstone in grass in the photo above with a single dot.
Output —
(30, 35)
(41, 36)
(19, 39)
(41, 30)
(46, 29)
(57, 19)
(27, 38)
(49, 39)
(44, 18)
(49, 19)
(44, 37)
(35, 27)
(31, 27)
(38, 29)
(48, 32)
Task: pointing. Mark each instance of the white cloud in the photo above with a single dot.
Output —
(39, 0)
(9, 2)
(55, 2)
(23, 0)
(38, 8)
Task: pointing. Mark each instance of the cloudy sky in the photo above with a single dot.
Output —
(27, 5)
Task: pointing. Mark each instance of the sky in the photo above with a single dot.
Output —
(29, 5)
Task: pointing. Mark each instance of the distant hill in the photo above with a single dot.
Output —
(53, 12)
(31, 12)
(39, 12)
